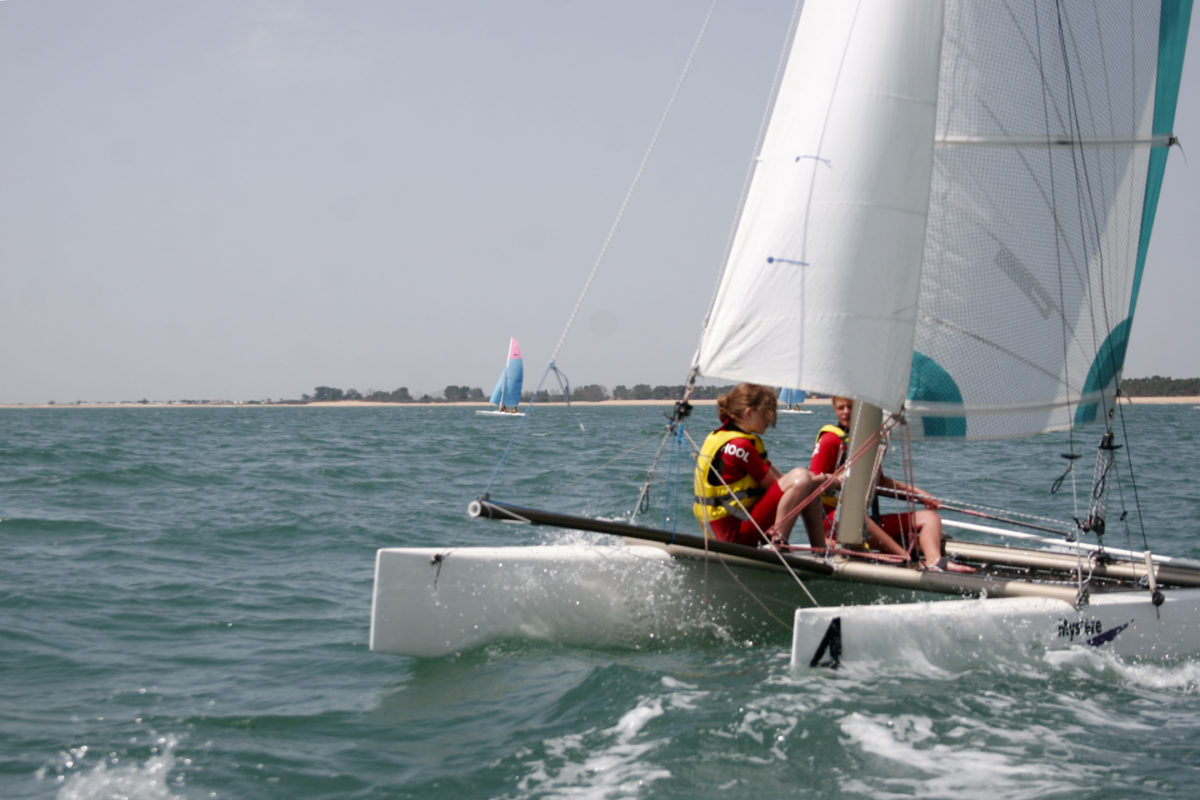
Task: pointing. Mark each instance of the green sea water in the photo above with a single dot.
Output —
(185, 596)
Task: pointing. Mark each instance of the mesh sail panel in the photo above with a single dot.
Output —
(1041, 166)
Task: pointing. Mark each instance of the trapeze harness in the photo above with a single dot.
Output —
(714, 499)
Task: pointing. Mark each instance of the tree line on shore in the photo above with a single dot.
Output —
(591, 393)
(1156, 386)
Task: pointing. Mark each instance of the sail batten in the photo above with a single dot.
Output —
(1055, 140)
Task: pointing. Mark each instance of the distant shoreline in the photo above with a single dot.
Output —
(346, 404)
(1178, 400)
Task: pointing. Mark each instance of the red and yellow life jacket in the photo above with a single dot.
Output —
(713, 499)
(829, 498)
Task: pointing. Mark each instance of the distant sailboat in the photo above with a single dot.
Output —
(507, 394)
(791, 400)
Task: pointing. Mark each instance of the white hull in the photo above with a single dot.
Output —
(795, 411)
(483, 413)
(949, 632)
(430, 602)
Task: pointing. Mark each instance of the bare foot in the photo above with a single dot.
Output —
(946, 564)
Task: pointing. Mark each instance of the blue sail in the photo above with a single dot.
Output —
(791, 397)
(508, 387)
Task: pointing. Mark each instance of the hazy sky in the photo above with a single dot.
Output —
(244, 200)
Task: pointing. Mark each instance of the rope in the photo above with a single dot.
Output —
(764, 122)
(908, 470)
(1137, 501)
(636, 178)
(851, 459)
(604, 247)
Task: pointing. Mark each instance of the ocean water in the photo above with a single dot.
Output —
(185, 595)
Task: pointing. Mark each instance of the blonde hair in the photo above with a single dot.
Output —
(747, 395)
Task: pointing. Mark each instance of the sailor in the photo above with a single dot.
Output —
(739, 494)
(890, 532)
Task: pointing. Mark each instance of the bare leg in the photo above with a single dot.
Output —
(814, 524)
(797, 485)
(929, 535)
(878, 537)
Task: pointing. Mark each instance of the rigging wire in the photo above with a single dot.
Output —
(1071, 456)
(636, 179)
(708, 533)
(909, 472)
(607, 240)
(780, 66)
(1105, 350)
(565, 385)
(1085, 196)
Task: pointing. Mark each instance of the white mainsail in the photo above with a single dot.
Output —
(828, 250)
(963, 188)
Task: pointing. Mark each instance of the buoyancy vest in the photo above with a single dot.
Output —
(713, 499)
(829, 498)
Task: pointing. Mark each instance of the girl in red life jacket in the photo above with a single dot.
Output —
(891, 532)
(741, 495)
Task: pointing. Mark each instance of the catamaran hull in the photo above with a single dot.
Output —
(951, 631)
(430, 602)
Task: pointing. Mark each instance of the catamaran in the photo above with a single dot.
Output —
(947, 220)
(791, 401)
(506, 396)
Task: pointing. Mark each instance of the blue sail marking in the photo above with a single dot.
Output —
(1172, 40)
(929, 381)
(1105, 369)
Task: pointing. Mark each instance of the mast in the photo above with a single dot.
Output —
(852, 502)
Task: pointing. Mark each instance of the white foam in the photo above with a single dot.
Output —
(110, 778)
(953, 763)
(602, 764)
